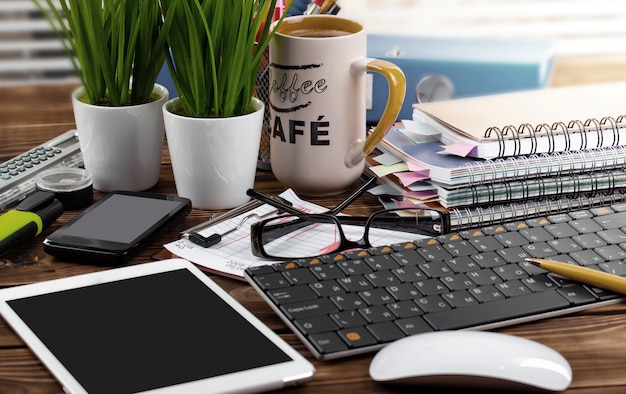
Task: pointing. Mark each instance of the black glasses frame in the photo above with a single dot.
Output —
(426, 225)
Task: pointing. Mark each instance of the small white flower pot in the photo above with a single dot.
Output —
(214, 159)
(121, 146)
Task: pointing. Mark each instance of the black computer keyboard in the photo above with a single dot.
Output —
(356, 302)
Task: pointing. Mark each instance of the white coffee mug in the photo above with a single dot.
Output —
(317, 98)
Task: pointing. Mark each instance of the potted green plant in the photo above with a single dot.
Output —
(117, 48)
(214, 126)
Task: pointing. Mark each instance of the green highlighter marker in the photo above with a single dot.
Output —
(28, 219)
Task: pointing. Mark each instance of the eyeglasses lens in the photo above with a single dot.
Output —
(315, 235)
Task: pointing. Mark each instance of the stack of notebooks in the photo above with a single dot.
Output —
(510, 156)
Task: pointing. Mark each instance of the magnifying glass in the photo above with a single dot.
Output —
(434, 88)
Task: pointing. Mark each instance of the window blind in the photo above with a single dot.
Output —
(578, 27)
(30, 51)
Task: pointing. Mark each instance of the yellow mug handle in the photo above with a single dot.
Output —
(397, 90)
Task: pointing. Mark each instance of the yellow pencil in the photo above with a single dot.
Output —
(585, 275)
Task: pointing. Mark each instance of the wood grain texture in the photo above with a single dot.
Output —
(594, 341)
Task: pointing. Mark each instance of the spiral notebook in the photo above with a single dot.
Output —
(530, 122)
(455, 171)
(560, 186)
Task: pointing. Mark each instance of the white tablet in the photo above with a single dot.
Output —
(158, 327)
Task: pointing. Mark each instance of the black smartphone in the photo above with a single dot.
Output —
(112, 229)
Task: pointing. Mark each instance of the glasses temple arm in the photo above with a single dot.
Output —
(342, 205)
(281, 204)
(275, 202)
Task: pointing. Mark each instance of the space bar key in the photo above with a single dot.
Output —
(496, 311)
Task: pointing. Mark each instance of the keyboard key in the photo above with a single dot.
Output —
(413, 325)
(434, 253)
(436, 269)
(510, 272)
(536, 234)
(409, 273)
(432, 303)
(327, 288)
(614, 236)
(292, 294)
(512, 288)
(347, 319)
(462, 264)
(488, 259)
(385, 331)
(377, 314)
(357, 337)
(378, 296)
(564, 245)
(491, 312)
(381, 262)
(560, 230)
(511, 239)
(405, 309)
(315, 324)
(486, 293)
(404, 291)
(611, 252)
(328, 343)
(274, 280)
(327, 271)
(354, 267)
(459, 299)
(615, 220)
(540, 250)
(299, 276)
(486, 244)
(298, 310)
(577, 294)
(355, 283)
(461, 248)
(348, 301)
(587, 225)
(614, 267)
(408, 257)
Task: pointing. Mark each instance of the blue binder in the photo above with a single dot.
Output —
(474, 66)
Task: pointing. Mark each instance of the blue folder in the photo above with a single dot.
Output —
(474, 66)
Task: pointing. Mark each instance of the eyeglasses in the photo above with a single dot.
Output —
(303, 235)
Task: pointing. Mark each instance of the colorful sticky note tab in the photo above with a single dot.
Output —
(410, 177)
(459, 149)
(382, 171)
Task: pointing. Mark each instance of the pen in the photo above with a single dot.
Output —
(314, 8)
(585, 275)
(326, 6)
(28, 219)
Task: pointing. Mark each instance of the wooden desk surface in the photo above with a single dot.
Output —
(594, 342)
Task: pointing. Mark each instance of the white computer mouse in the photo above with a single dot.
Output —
(472, 359)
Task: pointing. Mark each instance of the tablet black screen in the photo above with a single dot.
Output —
(144, 333)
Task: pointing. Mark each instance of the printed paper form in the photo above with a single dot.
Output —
(233, 255)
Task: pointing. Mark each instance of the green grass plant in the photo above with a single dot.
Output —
(117, 47)
(215, 51)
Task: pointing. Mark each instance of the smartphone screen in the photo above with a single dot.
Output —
(116, 225)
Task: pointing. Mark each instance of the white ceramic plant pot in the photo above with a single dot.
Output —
(214, 159)
(121, 146)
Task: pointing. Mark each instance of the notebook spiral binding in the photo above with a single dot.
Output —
(566, 185)
(552, 164)
(468, 217)
(528, 132)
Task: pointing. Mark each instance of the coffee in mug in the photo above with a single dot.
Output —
(317, 101)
